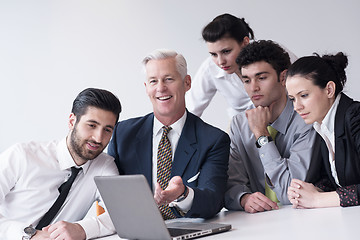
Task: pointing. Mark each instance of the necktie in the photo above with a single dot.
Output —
(164, 163)
(64, 191)
(268, 191)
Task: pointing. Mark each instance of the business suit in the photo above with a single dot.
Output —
(347, 152)
(202, 151)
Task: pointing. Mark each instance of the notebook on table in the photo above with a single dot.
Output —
(135, 215)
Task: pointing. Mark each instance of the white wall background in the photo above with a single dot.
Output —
(51, 50)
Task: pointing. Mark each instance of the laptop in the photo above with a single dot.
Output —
(135, 215)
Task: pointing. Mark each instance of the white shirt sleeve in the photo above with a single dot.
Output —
(9, 172)
(11, 229)
(202, 90)
(100, 225)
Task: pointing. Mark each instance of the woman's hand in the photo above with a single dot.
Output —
(305, 195)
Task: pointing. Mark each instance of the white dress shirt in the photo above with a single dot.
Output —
(174, 136)
(30, 174)
(327, 132)
(211, 79)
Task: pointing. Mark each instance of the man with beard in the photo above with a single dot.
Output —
(35, 176)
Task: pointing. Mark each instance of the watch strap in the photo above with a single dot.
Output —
(269, 138)
(29, 232)
(183, 195)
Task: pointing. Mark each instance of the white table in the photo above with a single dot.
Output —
(288, 223)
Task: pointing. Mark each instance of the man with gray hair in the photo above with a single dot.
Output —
(184, 159)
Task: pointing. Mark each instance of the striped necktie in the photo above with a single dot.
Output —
(164, 164)
(268, 191)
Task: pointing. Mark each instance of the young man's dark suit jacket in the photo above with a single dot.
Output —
(202, 154)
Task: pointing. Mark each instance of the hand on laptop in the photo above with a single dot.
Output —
(171, 193)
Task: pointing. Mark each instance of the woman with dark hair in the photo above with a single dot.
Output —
(225, 36)
(315, 86)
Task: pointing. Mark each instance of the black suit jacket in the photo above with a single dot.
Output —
(347, 145)
(202, 154)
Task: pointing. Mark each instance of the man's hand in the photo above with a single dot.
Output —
(65, 230)
(259, 119)
(257, 202)
(171, 193)
(41, 235)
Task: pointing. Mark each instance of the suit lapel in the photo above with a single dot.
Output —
(186, 148)
(344, 103)
(143, 146)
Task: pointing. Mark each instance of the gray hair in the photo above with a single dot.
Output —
(158, 54)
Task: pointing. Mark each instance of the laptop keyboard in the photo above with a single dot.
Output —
(178, 231)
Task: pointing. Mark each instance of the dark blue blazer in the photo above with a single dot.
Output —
(202, 151)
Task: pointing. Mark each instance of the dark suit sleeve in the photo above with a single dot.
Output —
(112, 148)
(211, 183)
(350, 195)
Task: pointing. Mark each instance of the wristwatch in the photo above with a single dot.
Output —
(183, 195)
(262, 140)
(29, 232)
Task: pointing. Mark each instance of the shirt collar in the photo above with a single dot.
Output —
(65, 159)
(282, 122)
(176, 127)
(328, 122)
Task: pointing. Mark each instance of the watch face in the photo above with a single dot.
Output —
(263, 140)
(30, 231)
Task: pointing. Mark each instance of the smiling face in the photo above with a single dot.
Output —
(90, 134)
(310, 101)
(166, 89)
(224, 53)
(262, 83)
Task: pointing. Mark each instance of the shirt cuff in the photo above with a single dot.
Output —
(186, 204)
(348, 196)
(97, 226)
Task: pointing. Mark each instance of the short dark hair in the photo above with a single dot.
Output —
(99, 98)
(227, 25)
(264, 50)
(321, 70)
